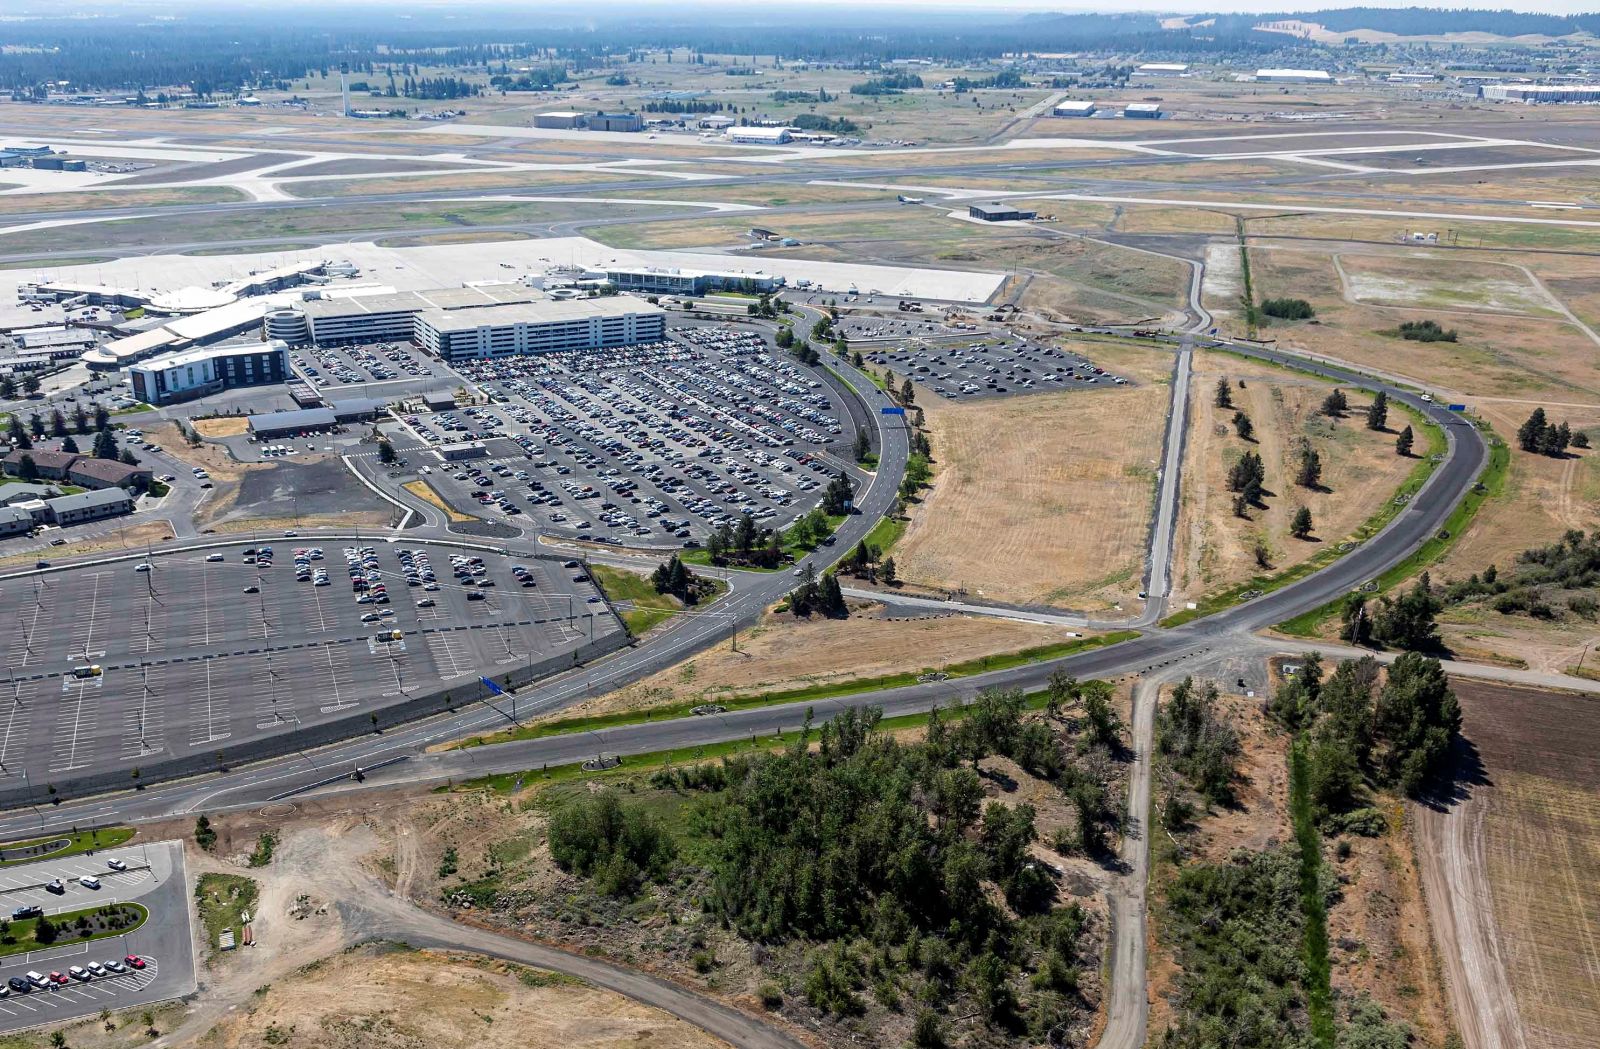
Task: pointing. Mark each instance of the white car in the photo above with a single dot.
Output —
(141, 567)
(89, 881)
(213, 558)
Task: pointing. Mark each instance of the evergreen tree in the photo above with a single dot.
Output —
(1378, 412)
(863, 446)
(1310, 473)
(27, 469)
(1224, 393)
(1300, 527)
(69, 446)
(1530, 435)
(105, 445)
(58, 423)
(1243, 426)
(19, 435)
(1402, 444)
(1335, 404)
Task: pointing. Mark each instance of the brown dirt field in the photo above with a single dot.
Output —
(1032, 502)
(783, 652)
(404, 998)
(1495, 355)
(1378, 931)
(128, 536)
(425, 491)
(1215, 549)
(1135, 218)
(226, 426)
(1428, 281)
(1542, 836)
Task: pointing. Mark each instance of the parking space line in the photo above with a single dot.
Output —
(208, 720)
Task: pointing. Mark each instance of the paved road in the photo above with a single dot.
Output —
(691, 633)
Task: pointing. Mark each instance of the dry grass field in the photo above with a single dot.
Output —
(123, 198)
(473, 179)
(1215, 548)
(1043, 498)
(784, 653)
(1494, 355)
(397, 998)
(1542, 840)
(1424, 280)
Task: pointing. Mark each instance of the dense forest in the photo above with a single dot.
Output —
(884, 863)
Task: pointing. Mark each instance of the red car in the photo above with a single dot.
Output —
(133, 961)
(56, 977)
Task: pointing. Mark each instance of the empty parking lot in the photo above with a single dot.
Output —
(111, 666)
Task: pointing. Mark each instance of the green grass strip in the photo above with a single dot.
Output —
(1213, 603)
(1314, 947)
(812, 693)
(1491, 483)
(78, 842)
(19, 937)
(795, 550)
(510, 782)
(885, 534)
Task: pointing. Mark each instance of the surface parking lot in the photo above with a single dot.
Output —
(993, 367)
(333, 367)
(154, 877)
(219, 645)
(867, 328)
(658, 443)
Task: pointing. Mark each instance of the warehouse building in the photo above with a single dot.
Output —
(999, 213)
(378, 318)
(539, 327)
(559, 121)
(616, 122)
(759, 136)
(1542, 93)
(649, 280)
(184, 376)
(1074, 107)
(1163, 69)
(1142, 111)
(1293, 76)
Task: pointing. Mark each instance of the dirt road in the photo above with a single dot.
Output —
(1455, 877)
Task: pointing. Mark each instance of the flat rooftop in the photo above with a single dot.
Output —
(418, 301)
(541, 312)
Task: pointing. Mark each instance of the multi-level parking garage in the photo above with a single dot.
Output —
(656, 444)
(134, 662)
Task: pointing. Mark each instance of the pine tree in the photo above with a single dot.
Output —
(1402, 444)
(1530, 435)
(863, 446)
(1243, 426)
(1224, 393)
(69, 446)
(1310, 473)
(1378, 412)
(19, 435)
(1300, 526)
(1241, 506)
(105, 445)
(1335, 404)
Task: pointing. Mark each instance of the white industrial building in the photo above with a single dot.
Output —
(1142, 110)
(1294, 76)
(1163, 69)
(1542, 93)
(1074, 107)
(650, 280)
(761, 136)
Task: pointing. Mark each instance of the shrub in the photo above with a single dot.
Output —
(1288, 309)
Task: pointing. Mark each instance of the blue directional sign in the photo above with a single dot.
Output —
(1457, 407)
(892, 411)
(492, 687)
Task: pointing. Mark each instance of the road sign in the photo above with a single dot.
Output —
(892, 411)
(1457, 407)
(492, 687)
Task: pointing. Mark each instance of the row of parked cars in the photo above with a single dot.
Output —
(32, 981)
